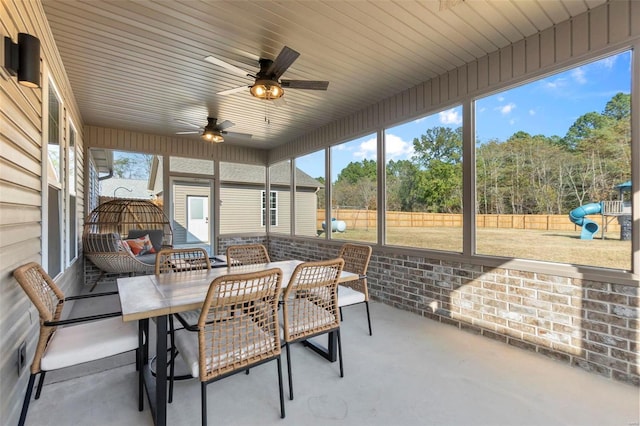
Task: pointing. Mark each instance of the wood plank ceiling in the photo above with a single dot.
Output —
(139, 65)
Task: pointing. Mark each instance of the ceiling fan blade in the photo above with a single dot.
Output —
(305, 84)
(191, 132)
(228, 66)
(285, 58)
(232, 91)
(224, 125)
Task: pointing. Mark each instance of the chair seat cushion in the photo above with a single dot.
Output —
(228, 346)
(348, 296)
(76, 344)
(149, 258)
(305, 316)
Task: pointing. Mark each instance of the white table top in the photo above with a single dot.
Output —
(154, 295)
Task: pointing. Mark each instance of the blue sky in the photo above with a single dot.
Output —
(548, 106)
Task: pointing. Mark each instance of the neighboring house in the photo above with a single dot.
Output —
(244, 205)
(125, 188)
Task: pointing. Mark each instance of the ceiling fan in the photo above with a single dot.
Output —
(213, 131)
(267, 84)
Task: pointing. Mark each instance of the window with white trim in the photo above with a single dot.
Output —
(273, 208)
(54, 169)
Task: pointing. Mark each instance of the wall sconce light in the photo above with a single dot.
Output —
(23, 59)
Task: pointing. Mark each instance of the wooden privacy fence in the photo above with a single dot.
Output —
(367, 219)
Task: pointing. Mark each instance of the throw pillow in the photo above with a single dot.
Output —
(124, 246)
(140, 246)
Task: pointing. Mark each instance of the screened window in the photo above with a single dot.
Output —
(552, 160)
(280, 182)
(354, 190)
(424, 182)
(241, 186)
(310, 193)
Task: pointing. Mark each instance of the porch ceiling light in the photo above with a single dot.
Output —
(266, 89)
(212, 135)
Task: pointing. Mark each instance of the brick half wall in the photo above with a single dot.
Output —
(590, 324)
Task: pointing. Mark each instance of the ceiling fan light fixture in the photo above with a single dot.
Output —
(212, 135)
(266, 89)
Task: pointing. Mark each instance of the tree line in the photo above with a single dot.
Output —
(526, 174)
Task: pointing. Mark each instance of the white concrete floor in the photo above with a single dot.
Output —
(412, 371)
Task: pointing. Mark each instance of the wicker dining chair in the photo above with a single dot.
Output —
(69, 342)
(247, 254)
(311, 306)
(237, 329)
(356, 260)
(168, 261)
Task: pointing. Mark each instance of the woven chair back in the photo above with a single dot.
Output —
(181, 260)
(48, 300)
(247, 254)
(356, 260)
(311, 299)
(238, 325)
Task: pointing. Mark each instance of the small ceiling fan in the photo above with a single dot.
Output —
(267, 84)
(213, 131)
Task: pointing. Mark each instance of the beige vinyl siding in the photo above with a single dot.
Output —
(21, 209)
(180, 193)
(284, 212)
(240, 210)
(306, 213)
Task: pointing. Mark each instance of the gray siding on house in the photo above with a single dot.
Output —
(240, 209)
(21, 198)
(306, 213)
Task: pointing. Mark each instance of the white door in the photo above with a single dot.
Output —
(197, 219)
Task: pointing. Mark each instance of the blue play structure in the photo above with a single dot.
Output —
(610, 210)
(589, 227)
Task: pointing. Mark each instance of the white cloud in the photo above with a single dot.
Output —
(506, 109)
(609, 62)
(555, 84)
(512, 121)
(367, 149)
(501, 99)
(396, 148)
(578, 75)
(532, 112)
(451, 116)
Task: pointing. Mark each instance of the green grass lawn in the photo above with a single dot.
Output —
(553, 246)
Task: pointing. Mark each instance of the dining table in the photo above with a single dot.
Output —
(156, 297)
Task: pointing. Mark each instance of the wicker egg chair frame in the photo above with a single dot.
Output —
(111, 222)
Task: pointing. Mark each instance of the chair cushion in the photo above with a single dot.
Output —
(149, 258)
(348, 296)
(75, 344)
(155, 235)
(301, 310)
(187, 344)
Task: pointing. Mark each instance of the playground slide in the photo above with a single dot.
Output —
(589, 227)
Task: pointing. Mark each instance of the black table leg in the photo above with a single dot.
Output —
(330, 353)
(157, 386)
